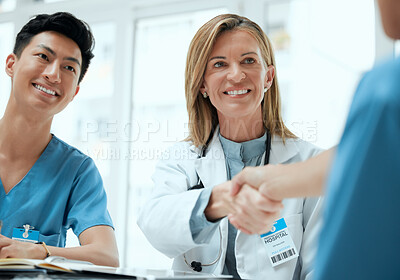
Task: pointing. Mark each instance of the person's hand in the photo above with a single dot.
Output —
(10, 248)
(249, 211)
(253, 213)
(300, 179)
(263, 178)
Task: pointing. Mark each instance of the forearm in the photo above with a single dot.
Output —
(300, 179)
(98, 246)
(94, 253)
(171, 214)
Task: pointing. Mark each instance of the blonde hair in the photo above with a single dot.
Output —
(203, 118)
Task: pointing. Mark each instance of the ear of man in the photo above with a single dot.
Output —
(76, 92)
(10, 62)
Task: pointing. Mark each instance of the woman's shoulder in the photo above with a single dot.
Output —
(292, 150)
(304, 146)
(182, 150)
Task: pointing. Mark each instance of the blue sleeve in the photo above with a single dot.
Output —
(360, 239)
(87, 204)
(200, 227)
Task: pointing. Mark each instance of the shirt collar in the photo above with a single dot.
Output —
(243, 151)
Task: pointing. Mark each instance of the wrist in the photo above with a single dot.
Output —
(275, 182)
(219, 203)
(43, 250)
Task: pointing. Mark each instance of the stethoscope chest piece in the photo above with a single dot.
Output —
(196, 266)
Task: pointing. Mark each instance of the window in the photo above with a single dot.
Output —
(87, 121)
(6, 47)
(7, 5)
(319, 61)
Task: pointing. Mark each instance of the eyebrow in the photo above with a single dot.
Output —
(73, 59)
(223, 57)
(249, 53)
(217, 57)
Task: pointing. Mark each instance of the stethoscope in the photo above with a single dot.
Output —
(198, 266)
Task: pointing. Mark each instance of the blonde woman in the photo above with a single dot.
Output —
(235, 120)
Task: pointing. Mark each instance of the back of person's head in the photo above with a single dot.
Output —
(203, 117)
(65, 24)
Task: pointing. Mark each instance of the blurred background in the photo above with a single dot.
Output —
(131, 104)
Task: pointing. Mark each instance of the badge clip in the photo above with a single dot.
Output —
(26, 234)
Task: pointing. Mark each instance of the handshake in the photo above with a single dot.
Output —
(252, 200)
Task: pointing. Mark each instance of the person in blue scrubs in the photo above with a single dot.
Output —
(360, 238)
(47, 186)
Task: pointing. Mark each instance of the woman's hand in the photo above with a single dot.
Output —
(254, 213)
(249, 210)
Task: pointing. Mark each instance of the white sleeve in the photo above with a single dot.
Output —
(165, 218)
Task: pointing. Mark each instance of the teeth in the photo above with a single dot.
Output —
(48, 91)
(237, 92)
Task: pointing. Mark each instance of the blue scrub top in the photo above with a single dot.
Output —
(361, 236)
(62, 190)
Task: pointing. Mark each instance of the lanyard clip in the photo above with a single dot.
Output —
(27, 228)
(273, 228)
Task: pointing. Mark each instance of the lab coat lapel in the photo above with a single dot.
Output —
(280, 152)
(211, 168)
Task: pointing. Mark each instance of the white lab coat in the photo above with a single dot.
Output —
(164, 219)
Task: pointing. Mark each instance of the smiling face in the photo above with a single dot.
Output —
(45, 76)
(236, 76)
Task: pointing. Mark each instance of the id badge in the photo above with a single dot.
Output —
(26, 234)
(279, 243)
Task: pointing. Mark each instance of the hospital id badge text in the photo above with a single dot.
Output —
(279, 244)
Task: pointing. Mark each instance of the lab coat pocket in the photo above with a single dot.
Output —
(207, 254)
(52, 239)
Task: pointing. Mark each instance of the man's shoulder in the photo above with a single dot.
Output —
(387, 67)
(63, 150)
(382, 84)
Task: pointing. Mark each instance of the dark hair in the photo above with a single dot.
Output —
(65, 24)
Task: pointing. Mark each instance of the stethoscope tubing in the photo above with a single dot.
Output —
(195, 265)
